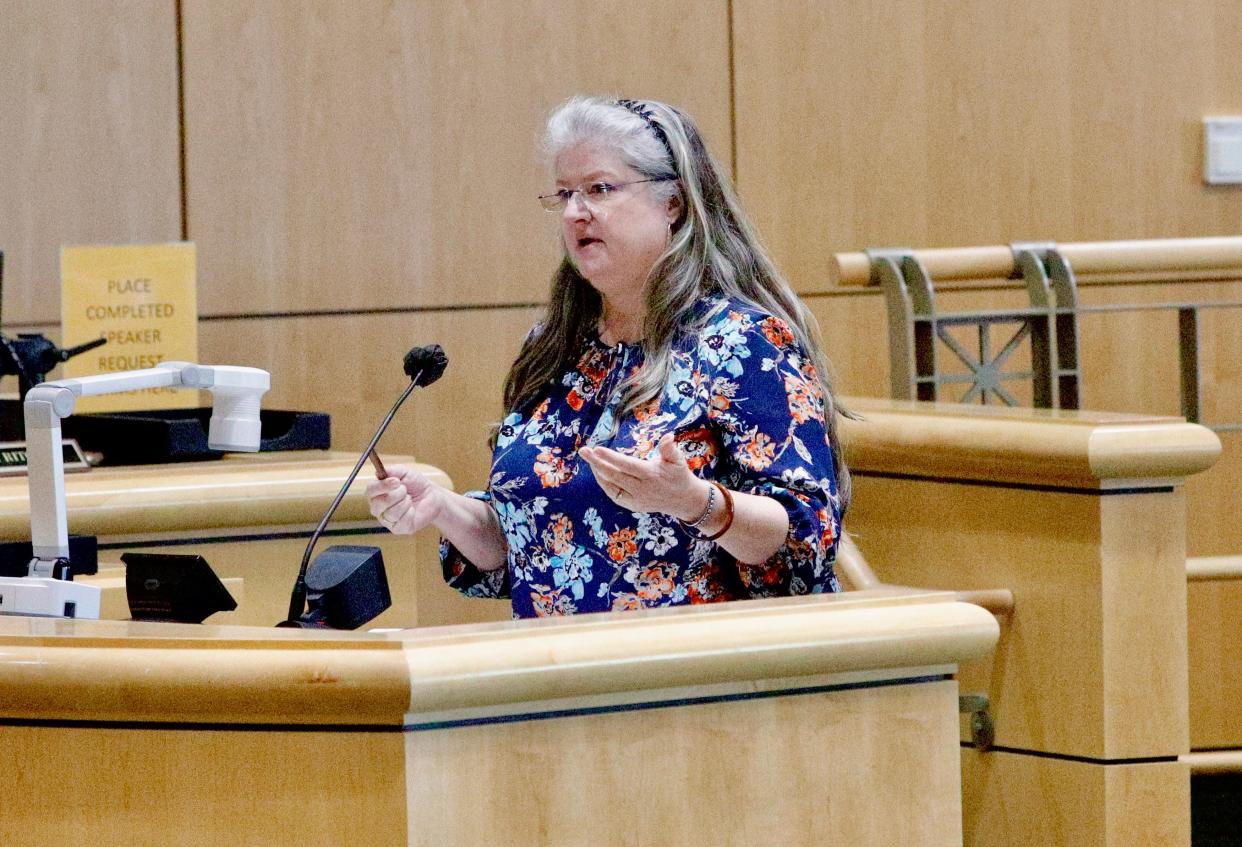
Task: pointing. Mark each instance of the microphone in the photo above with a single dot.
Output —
(423, 365)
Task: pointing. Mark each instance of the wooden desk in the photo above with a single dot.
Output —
(816, 720)
(1082, 516)
(250, 516)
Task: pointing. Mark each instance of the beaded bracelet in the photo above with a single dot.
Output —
(711, 501)
(728, 504)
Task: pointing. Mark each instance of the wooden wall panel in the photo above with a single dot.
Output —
(1212, 498)
(152, 785)
(1130, 359)
(854, 331)
(790, 762)
(908, 124)
(1215, 638)
(88, 137)
(1012, 800)
(376, 154)
(350, 367)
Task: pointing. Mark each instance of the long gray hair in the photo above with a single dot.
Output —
(713, 249)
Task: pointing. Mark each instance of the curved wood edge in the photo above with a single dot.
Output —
(112, 671)
(203, 683)
(809, 640)
(1155, 450)
(1088, 257)
(1213, 762)
(997, 601)
(196, 495)
(946, 441)
(1213, 568)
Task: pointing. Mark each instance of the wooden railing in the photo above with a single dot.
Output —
(1088, 257)
(1214, 762)
(929, 354)
(1205, 568)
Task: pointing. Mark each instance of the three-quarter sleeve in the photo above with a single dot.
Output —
(767, 405)
(460, 573)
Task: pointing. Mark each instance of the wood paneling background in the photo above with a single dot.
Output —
(360, 178)
(923, 124)
(89, 138)
(378, 154)
(351, 366)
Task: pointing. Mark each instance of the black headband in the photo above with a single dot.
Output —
(637, 108)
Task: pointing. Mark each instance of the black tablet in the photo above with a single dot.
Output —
(173, 587)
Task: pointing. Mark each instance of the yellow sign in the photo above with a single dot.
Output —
(143, 300)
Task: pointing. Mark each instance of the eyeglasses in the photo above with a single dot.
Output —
(594, 196)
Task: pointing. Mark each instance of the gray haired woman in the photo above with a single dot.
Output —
(669, 435)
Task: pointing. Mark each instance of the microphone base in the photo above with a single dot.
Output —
(47, 597)
(300, 624)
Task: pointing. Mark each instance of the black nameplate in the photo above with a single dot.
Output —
(13, 459)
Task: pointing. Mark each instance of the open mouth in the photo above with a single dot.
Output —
(584, 242)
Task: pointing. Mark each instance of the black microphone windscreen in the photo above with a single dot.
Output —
(424, 365)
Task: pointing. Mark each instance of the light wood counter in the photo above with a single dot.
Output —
(1061, 448)
(239, 492)
(1082, 516)
(497, 733)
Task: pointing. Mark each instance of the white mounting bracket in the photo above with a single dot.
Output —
(235, 425)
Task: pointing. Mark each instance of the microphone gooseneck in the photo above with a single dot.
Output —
(423, 365)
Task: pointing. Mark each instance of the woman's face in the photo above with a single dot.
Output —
(612, 241)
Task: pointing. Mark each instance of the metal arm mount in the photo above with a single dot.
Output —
(982, 728)
(234, 426)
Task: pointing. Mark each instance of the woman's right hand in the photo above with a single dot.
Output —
(405, 501)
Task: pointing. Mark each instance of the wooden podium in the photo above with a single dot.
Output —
(1082, 516)
(800, 721)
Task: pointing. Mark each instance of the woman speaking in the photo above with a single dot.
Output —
(669, 435)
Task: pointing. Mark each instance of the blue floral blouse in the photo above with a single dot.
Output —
(746, 408)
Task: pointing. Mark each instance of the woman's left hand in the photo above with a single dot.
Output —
(663, 483)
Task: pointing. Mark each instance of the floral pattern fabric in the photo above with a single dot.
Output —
(746, 408)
